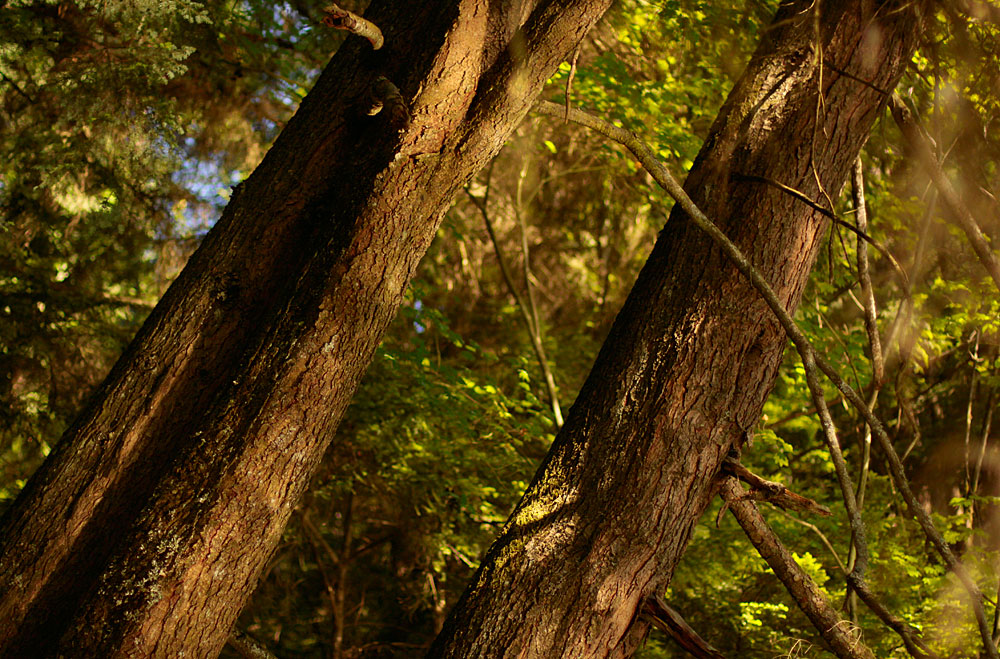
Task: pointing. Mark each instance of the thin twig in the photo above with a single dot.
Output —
(550, 383)
(522, 307)
(340, 601)
(569, 80)
(984, 438)
(822, 538)
(970, 404)
(864, 275)
(17, 88)
(801, 196)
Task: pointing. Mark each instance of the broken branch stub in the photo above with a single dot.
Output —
(341, 19)
(386, 96)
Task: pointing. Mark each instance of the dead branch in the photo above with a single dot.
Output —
(772, 492)
(341, 19)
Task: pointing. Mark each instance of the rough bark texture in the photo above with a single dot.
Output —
(147, 527)
(691, 357)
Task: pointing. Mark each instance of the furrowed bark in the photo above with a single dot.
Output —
(148, 525)
(813, 363)
(691, 357)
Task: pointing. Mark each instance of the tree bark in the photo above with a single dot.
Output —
(681, 380)
(147, 527)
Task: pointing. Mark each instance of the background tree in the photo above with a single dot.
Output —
(122, 129)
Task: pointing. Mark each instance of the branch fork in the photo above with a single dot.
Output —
(775, 493)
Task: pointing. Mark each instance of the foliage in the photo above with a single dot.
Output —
(123, 126)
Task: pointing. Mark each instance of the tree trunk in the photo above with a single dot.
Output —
(147, 527)
(683, 375)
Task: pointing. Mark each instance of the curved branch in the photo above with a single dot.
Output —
(341, 19)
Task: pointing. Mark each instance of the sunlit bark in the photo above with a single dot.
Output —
(149, 524)
(682, 377)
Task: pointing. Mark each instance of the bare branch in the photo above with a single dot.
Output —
(341, 19)
(843, 637)
(529, 319)
(569, 80)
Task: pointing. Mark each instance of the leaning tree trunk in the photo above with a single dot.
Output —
(682, 377)
(148, 526)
